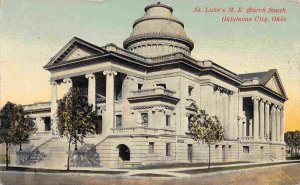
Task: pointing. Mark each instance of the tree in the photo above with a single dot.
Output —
(207, 129)
(24, 127)
(292, 139)
(75, 118)
(7, 126)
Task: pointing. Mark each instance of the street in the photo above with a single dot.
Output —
(273, 175)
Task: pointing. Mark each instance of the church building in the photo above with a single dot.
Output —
(145, 94)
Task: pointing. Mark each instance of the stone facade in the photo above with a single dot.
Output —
(145, 95)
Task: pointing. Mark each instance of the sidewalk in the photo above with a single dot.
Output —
(161, 173)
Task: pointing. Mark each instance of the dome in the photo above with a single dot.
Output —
(158, 33)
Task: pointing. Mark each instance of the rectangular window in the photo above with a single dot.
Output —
(168, 120)
(190, 121)
(190, 152)
(168, 149)
(118, 121)
(151, 148)
(246, 149)
(190, 90)
(140, 86)
(144, 117)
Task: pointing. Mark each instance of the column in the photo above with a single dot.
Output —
(221, 109)
(91, 89)
(219, 106)
(54, 106)
(244, 129)
(278, 123)
(240, 116)
(267, 120)
(282, 125)
(262, 120)
(255, 117)
(68, 82)
(273, 123)
(250, 128)
(110, 98)
(225, 109)
(231, 114)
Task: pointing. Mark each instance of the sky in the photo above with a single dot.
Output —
(33, 31)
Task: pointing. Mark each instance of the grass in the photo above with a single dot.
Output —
(216, 169)
(151, 175)
(184, 165)
(24, 169)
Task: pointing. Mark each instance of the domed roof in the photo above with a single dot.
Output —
(158, 24)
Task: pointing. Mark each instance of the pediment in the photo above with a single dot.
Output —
(77, 53)
(75, 49)
(192, 106)
(274, 84)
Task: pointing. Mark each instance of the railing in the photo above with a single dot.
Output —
(247, 138)
(141, 130)
(153, 91)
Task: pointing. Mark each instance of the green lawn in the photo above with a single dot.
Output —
(199, 171)
(61, 171)
(184, 165)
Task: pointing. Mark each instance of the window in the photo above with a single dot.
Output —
(144, 117)
(190, 152)
(168, 120)
(246, 149)
(140, 86)
(168, 149)
(190, 90)
(190, 121)
(118, 121)
(161, 85)
(151, 148)
(47, 122)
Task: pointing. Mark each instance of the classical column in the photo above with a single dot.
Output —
(219, 99)
(68, 82)
(273, 123)
(267, 120)
(241, 116)
(244, 129)
(262, 120)
(255, 117)
(250, 128)
(225, 109)
(278, 123)
(91, 90)
(282, 125)
(231, 114)
(53, 106)
(110, 98)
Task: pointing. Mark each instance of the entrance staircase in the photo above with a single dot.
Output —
(53, 152)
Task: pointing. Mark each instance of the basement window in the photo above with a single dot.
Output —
(246, 149)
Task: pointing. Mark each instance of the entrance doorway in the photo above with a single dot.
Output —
(124, 154)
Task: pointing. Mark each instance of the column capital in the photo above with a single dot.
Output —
(268, 103)
(263, 101)
(255, 98)
(129, 77)
(53, 83)
(91, 76)
(110, 72)
(67, 80)
(279, 107)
